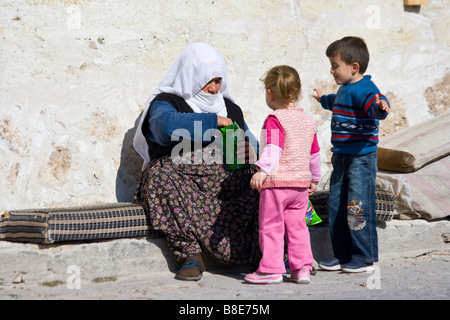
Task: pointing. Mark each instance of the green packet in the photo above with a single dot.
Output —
(231, 135)
(312, 217)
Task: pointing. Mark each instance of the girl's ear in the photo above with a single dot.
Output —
(271, 94)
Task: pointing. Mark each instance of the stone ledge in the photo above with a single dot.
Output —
(125, 257)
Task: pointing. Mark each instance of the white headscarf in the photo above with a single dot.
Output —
(197, 64)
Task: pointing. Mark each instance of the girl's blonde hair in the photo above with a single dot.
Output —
(285, 81)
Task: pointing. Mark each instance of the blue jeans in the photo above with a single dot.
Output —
(351, 207)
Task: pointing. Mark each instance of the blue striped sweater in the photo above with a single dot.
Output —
(354, 122)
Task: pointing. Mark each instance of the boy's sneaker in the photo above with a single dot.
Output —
(355, 266)
(301, 276)
(264, 278)
(330, 265)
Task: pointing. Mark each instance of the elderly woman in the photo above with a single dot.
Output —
(198, 205)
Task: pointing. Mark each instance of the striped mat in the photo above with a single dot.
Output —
(106, 221)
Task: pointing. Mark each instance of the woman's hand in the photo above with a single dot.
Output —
(223, 122)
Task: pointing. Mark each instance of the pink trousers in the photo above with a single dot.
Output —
(282, 214)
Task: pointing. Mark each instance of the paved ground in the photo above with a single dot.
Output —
(414, 265)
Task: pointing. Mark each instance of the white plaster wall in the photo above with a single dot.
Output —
(75, 75)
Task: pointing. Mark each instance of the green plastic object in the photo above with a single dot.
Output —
(231, 135)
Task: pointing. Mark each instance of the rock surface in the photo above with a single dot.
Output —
(414, 264)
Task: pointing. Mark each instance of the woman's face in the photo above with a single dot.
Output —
(213, 87)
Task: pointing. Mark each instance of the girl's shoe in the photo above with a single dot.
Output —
(264, 278)
(301, 276)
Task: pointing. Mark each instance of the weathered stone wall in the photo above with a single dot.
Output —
(75, 75)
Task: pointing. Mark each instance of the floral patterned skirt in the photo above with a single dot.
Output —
(202, 207)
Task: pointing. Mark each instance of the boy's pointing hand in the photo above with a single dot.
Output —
(318, 94)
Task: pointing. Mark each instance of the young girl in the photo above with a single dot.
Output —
(289, 170)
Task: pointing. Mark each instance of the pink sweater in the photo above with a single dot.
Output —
(290, 156)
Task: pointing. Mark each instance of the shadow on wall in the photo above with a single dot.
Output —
(412, 9)
(130, 167)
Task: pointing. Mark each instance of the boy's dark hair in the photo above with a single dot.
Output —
(351, 49)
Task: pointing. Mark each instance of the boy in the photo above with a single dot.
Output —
(356, 107)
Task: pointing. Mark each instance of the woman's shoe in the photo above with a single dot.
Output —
(301, 276)
(192, 269)
(264, 278)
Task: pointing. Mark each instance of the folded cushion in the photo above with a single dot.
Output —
(423, 194)
(107, 221)
(410, 149)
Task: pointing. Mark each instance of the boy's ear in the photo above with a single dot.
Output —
(355, 68)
